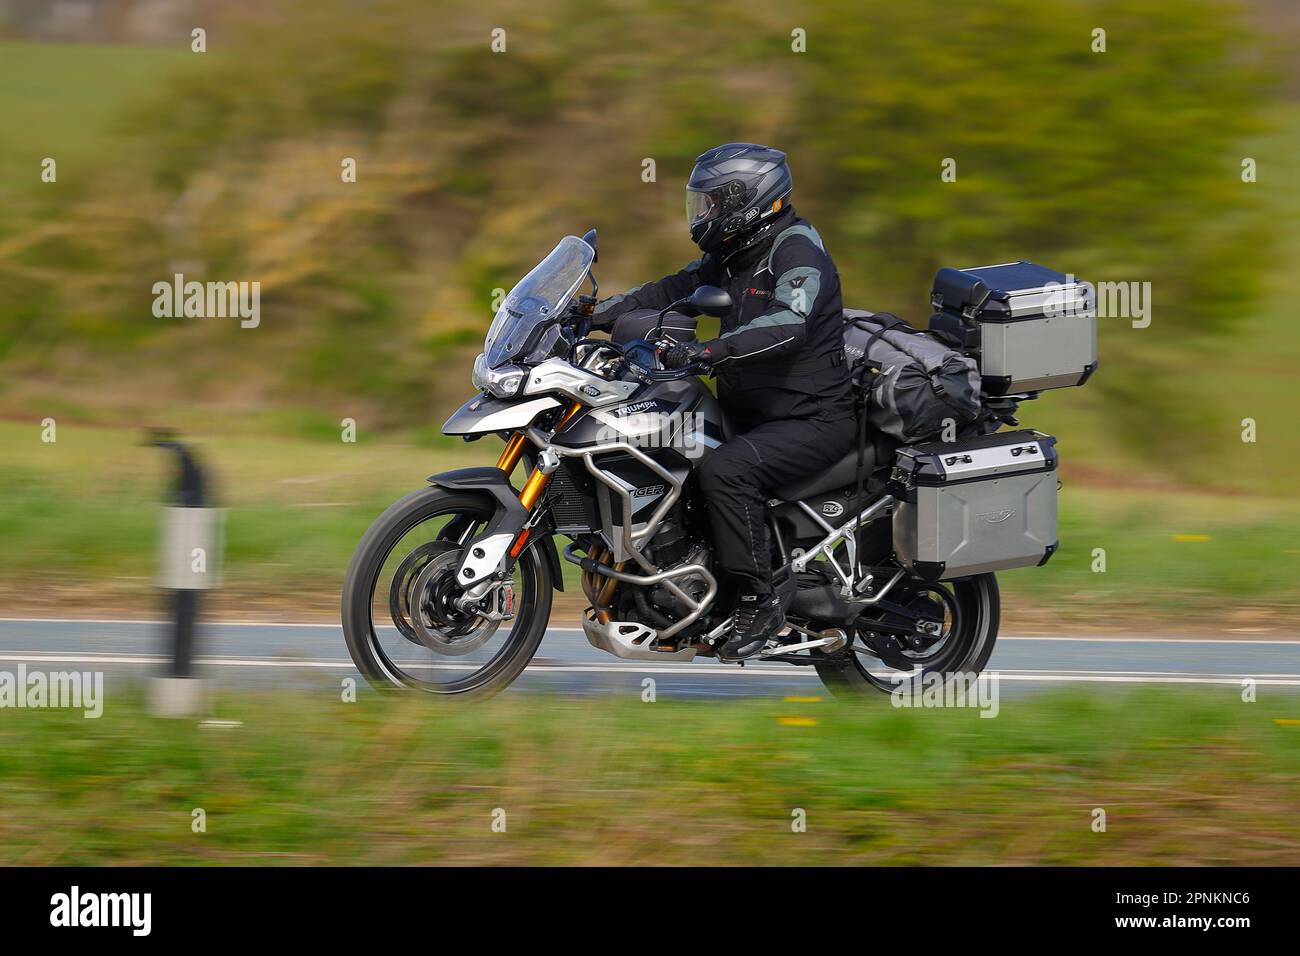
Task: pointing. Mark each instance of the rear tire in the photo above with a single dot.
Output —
(359, 588)
(975, 631)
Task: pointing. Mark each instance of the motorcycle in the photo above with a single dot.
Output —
(450, 590)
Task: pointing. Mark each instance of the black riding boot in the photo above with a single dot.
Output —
(758, 619)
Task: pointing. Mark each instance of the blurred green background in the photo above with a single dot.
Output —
(1123, 165)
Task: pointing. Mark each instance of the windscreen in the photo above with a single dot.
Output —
(536, 302)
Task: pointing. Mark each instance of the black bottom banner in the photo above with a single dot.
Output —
(235, 904)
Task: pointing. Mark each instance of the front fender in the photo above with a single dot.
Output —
(510, 515)
(547, 545)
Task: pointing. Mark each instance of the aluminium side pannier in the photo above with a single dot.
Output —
(980, 504)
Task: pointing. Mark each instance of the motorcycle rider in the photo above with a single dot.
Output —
(779, 360)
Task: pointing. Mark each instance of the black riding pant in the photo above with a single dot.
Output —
(739, 478)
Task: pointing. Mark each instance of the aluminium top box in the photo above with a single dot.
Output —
(977, 505)
(1031, 328)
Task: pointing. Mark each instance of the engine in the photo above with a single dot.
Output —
(670, 543)
(671, 546)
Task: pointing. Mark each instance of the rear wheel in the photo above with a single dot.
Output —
(960, 626)
(403, 625)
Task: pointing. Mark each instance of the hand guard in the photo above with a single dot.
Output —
(578, 316)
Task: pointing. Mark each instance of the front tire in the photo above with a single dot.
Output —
(381, 651)
(853, 673)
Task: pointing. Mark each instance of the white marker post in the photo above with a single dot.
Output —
(189, 561)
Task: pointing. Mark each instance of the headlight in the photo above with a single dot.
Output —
(503, 382)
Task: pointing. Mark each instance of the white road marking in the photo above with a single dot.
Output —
(632, 667)
(575, 630)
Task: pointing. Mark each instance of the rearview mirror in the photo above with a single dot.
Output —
(590, 239)
(710, 300)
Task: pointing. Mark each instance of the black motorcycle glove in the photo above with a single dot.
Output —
(681, 354)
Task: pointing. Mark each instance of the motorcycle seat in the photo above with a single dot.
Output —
(843, 474)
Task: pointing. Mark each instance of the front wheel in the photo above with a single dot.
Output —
(401, 617)
(962, 619)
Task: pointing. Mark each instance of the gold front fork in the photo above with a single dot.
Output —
(533, 489)
(513, 451)
(517, 442)
(536, 484)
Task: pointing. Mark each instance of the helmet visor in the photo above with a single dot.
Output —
(701, 206)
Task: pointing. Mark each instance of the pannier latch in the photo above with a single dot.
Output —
(1024, 449)
(953, 459)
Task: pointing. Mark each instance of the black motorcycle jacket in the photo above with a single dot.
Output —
(780, 353)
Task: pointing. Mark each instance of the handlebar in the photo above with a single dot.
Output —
(647, 374)
(644, 373)
(670, 374)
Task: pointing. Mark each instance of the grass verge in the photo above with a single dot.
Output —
(1184, 779)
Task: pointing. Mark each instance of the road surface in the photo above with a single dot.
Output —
(268, 655)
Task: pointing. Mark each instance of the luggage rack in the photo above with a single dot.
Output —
(1002, 409)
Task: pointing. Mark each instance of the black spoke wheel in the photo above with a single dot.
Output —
(403, 625)
(955, 625)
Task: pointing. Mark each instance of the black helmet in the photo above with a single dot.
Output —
(732, 189)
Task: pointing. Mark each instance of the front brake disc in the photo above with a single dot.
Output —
(436, 620)
(399, 592)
